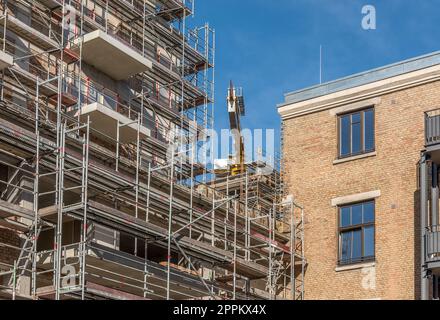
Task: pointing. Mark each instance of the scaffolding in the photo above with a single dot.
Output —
(104, 111)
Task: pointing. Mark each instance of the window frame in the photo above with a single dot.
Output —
(362, 129)
(352, 228)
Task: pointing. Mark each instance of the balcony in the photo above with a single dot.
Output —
(432, 134)
(106, 120)
(111, 56)
(51, 4)
(432, 247)
(432, 127)
(6, 60)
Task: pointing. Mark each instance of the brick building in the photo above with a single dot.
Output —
(357, 156)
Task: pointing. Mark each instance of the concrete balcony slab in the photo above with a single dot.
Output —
(51, 4)
(105, 120)
(111, 56)
(6, 60)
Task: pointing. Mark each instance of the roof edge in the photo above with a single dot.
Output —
(362, 78)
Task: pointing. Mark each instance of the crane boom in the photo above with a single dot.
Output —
(236, 109)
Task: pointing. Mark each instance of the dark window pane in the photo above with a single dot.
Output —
(140, 248)
(356, 214)
(369, 212)
(357, 138)
(345, 140)
(356, 118)
(357, 244)
(346, 240)
(369, 130)
(126, 243)
(345, 217)
(357, 239)
(369, 242)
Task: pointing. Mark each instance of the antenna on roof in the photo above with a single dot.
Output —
(320, 64)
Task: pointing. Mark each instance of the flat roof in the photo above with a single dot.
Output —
(363, 78)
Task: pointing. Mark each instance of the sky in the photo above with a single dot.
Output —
(272, 47)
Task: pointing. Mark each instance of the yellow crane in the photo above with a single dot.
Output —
(236, 109)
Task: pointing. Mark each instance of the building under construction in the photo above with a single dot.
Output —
(104, 107)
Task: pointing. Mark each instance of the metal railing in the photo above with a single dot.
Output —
(432, 244)
(432, 127)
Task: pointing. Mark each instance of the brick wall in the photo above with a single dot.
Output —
(8, 255)
(313, 178)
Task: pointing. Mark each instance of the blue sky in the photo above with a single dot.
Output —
(272, 47)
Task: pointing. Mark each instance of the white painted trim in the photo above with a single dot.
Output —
(355, 198)
(360, 93)
(355, 106)
(356, 266)
(362, 156)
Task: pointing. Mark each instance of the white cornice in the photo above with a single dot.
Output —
(360, 93)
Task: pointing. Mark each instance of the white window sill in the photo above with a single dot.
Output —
(356, 266)
(361, 156)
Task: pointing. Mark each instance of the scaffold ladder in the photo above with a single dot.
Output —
(80, 134)
(26, 255)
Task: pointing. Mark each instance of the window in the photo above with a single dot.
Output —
(127, 243)
(356, 233)
(131, 245)
(356, 133)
